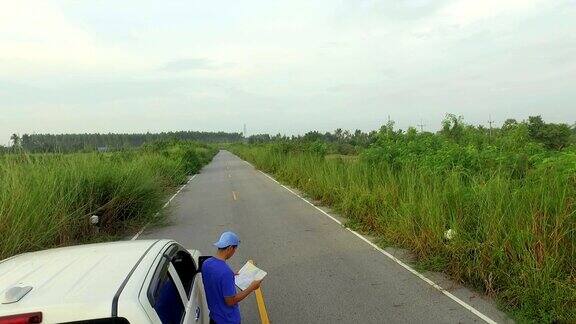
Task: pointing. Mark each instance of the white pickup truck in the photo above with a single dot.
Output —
(155, 281)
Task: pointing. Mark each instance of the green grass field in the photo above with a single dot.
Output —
(46, 199)
(514, 237)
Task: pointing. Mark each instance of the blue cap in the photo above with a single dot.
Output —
(227, 239)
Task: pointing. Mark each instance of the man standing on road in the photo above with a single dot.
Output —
(219, 285)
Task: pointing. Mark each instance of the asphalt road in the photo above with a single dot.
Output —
(318, 272)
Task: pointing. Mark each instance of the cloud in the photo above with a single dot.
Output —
(85, 92)
(408, 10)
(36, 37)
(32, 30)
(189, 64)
(471, 11)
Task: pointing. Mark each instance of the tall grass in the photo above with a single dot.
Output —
(514, 238)
(46, 200)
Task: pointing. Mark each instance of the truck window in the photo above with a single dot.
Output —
(186, 269)
(165, 299)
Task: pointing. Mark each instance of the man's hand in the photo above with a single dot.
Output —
(243, 294)
(254, 285)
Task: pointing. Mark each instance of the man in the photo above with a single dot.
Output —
(219, 285)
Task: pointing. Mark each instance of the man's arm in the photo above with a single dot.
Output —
(231, 301)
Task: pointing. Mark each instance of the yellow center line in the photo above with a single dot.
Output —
(261, 304)
(234, 195)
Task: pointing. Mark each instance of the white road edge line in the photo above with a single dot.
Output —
(165, 205)
(404, 265)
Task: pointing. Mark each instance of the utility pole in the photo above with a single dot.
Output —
(490, 121)
(421, 125)
(244, 132)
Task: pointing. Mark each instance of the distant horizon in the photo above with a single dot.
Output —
(495, 125)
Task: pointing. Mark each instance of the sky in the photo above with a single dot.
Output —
(76, 66)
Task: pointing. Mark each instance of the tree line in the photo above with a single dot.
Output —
(553, 136)
(49, 143)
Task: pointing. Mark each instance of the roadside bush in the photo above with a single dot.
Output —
(46, 200)
(514, 213)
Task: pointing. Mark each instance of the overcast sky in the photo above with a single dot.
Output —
(281, 66)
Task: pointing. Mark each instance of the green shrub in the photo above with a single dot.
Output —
(46, 199)
(514, 213)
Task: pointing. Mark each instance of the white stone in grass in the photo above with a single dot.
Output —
(94, 219)
(449, 234)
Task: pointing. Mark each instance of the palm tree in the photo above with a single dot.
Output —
(15, 140)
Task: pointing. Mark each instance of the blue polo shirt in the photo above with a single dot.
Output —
(218, 281)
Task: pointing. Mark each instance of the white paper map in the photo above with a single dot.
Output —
(247, 274)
